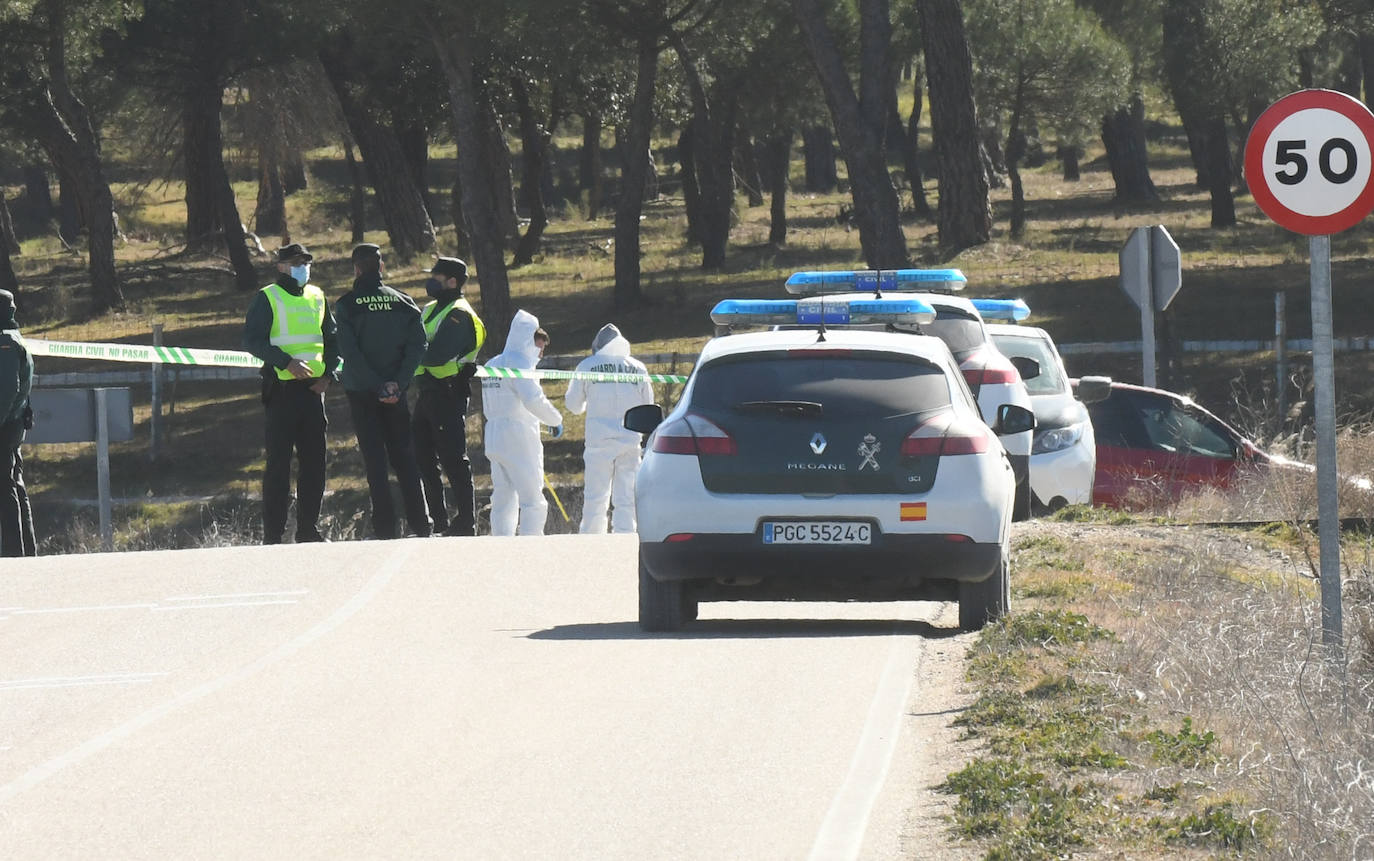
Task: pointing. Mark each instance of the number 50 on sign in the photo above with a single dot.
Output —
(1308, 162)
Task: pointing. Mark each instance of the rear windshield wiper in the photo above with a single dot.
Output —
(786, 408)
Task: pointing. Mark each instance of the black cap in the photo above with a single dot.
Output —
(293, 252)
(367, 252)
(450, 267)
(6, 302)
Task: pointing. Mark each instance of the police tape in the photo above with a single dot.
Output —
(145, 354)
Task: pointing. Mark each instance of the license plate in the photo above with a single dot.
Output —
(817, 532)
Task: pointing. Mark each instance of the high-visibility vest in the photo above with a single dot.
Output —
(298, 326)
(432, 322)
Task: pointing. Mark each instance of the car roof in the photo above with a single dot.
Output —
(947, 299)
(925, 346)
(1014, 330)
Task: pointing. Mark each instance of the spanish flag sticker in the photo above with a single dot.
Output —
(913, 511)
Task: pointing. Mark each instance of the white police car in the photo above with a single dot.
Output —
(993, 378)
(1063, 458)
(823, 464)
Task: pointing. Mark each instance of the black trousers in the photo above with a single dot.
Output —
(295, 422)
(16, 517)
(383, 432)
(440, 428)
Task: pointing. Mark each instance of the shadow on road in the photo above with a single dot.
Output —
(745, 629)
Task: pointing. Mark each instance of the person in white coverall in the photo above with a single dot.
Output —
(611, 455)
(514, 409)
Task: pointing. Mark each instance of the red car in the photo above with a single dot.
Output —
(1154, 446)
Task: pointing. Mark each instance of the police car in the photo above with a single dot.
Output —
(823, 464)
(993, 378)
(1063, 458)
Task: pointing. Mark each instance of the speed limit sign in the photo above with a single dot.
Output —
(1308, 162)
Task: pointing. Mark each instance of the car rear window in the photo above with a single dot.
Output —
(961, 331)
(855, 385)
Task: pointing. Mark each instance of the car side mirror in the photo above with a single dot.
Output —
(1092, 390)
(1027, 367)
(643, 418)
(1013, 419)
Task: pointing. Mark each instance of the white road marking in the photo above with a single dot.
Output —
(79, 681)
(92, 609)
(841, 834)
(295, 592)
(95, 745)
(222, 604)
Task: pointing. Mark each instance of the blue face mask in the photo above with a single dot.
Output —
(301, 273)
(434, 287)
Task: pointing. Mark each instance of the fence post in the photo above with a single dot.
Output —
(155, 423)
(1281, 355)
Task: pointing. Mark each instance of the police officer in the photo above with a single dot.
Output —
(289, 326)
(16, 416)
(455, 333)
(381, 341)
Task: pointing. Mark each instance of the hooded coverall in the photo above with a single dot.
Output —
(611, 453)
(514, 409)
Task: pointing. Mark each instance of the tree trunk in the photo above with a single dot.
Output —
(1218, 149)
(414, 141)
(9, 240)
(911, 151)
(403, 207)
(357, 200)
(455, 51)
(293, 177)
(1068, 161)
(630, 203)
(1016, 150)
(818, 155)
(965, 216)
(500, 175)
(713, 152)
(74, 148)
(201, 149)
(779, 162)
(859, 122)
(269, 216)
(691, 191)
(746, 157)
(38, 194)
(589, 165)
(1123, 135)
(534, 143)
(461, 246)
(71, 219)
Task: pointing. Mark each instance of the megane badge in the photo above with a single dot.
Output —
(868, 450)
(818, 443)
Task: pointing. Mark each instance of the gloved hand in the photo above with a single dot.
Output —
(556, 431)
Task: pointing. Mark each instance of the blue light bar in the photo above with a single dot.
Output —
(858, 312)
(816, 311)
(891, 280)
(1014, 310)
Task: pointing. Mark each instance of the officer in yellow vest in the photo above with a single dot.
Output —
(289, 326)
(455, 334)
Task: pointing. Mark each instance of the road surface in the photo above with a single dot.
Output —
(457, 698)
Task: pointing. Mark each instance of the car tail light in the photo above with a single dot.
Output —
(985, 367)
(693, 434)
(946, 435)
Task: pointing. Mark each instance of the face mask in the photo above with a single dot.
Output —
(301, 273)
(434, 287)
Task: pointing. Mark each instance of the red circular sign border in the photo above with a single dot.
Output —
(1311, 225)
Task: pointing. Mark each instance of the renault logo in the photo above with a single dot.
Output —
(818, 443)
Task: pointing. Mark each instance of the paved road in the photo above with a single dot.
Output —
(454, 698)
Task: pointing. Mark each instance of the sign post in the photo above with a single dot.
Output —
(1151, 273)
(1308, 164)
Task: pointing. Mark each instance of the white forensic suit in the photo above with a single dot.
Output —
(611, 455)
(514, 409)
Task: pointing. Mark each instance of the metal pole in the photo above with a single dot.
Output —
(1147, 317)
(155, 423)
(1324, 374)
(1281, 354)
(102, 468)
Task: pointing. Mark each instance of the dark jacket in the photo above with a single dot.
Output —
(257, 331)
(381, 336)
(16, 379)
(455, 338)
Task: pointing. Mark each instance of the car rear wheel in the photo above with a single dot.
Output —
(662, 606)
(985, 601)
